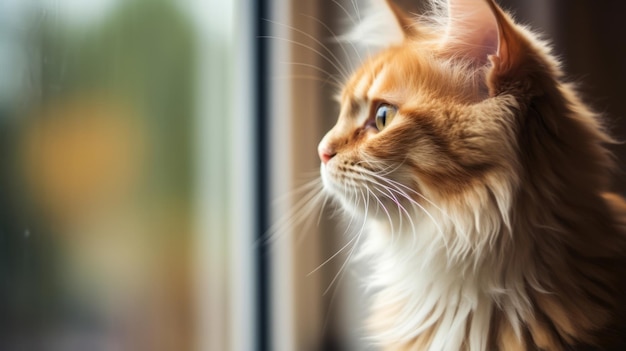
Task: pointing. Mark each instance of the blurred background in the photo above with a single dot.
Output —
(146, 147)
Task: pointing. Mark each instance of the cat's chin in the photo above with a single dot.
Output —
(329, 185)
(357, 202)
(348, 198)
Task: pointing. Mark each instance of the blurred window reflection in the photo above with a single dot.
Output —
(98, 115)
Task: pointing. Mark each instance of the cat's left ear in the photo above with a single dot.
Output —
(481, 30)
(382, 24)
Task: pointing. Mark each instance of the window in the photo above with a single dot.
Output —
(149, 147)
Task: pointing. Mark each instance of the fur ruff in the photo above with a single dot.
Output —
(496, 230)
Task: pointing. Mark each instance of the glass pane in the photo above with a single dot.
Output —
(98, 110)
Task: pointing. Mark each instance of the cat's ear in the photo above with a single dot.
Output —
(403, 20)
(480, 30)
(382, 24)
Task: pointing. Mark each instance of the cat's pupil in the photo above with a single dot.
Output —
(384, 114)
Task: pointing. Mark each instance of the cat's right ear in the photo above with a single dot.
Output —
(481, 31)
(382, 24)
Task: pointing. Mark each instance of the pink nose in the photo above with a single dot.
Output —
(325, 153)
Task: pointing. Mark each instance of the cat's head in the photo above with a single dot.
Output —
(445, 113)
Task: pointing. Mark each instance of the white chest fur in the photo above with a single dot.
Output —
(439, 282)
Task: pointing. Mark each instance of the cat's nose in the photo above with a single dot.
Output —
(325, 153)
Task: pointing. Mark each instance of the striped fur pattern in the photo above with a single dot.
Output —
(490, 221)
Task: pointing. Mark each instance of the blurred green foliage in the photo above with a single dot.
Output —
(142, 55)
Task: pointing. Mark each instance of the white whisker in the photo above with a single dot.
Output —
(354, 22)
(297, 214)
(335, 36)
(351, 253)
(336, 63)
(333, 256)
(319, 217)
(311, 78)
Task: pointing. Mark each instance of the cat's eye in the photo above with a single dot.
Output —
(384, 114)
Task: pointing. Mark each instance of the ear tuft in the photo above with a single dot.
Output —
(512, 46)
(472, 30)
(480, 30)
(381, 24)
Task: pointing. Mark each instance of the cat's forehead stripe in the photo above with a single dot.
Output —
(377, 84)
(360, 87)
(364, 84)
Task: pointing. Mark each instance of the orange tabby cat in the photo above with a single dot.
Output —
(483, 179)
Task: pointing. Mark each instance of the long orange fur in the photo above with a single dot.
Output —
(487, 196)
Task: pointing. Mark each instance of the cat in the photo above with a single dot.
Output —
(484, 183)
